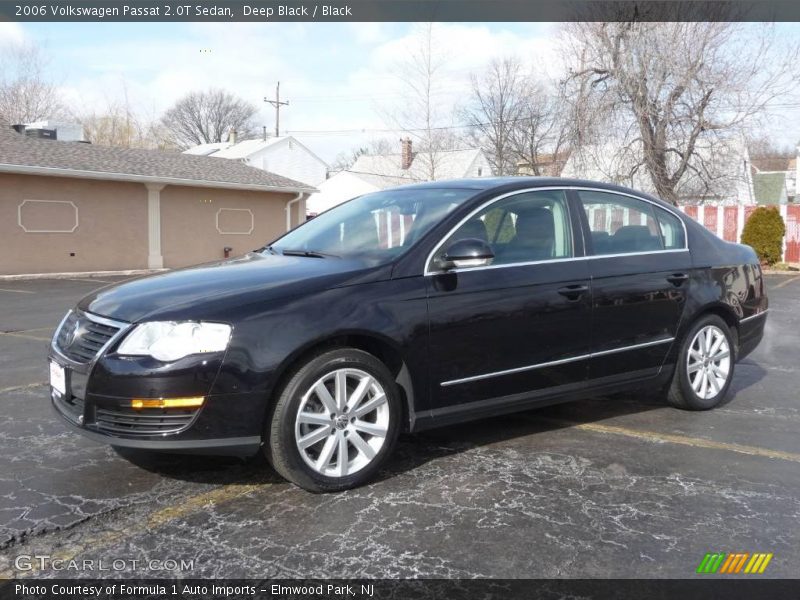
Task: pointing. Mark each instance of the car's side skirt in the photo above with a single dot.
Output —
(535, 399)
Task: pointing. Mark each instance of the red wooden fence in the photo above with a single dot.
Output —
(728, 221)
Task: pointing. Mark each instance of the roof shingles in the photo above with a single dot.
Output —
(19, 153)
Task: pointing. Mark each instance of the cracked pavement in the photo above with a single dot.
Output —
(607, 487)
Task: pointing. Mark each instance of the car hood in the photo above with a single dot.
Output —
(209, 290)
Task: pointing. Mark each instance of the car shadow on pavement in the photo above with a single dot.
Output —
(414, 450)
(411, 452)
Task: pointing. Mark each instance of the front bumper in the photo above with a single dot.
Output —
(97, 402)
(187, 441)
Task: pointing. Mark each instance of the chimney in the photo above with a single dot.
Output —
(232, 137)
(406, 155)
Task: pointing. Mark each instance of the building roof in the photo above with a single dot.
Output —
(207, 149)
(21, 154)
(385, 170)
(769, 188)
(245, 149)
(772, 163)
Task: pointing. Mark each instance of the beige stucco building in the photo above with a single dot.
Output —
(73, 207)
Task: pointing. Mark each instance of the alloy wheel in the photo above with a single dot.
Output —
(342, 422)
(708, 362)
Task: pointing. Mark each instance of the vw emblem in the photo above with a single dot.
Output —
(69, 336)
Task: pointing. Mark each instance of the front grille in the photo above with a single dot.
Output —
(146, 421)
(81, 337)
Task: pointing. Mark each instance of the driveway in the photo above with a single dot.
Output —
(607, 487)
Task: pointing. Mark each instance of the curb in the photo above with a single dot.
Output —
(78, 274)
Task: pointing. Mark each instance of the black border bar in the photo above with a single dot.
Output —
(397, 10)
(731, 588)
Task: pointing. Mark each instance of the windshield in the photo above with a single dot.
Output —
(375, 228)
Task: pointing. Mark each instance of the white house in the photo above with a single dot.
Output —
(725, 166)
(281, 155)
(380, 171)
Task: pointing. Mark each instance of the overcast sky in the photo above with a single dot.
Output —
(337, 77)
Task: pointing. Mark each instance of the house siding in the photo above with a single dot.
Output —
(110, 233)
(69, 225)
(198, 223)
(292, 160)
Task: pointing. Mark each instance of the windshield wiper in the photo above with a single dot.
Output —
(307, 253)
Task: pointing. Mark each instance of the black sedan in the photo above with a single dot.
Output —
(407, 309)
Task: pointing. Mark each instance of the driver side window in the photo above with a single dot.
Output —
(526, 227)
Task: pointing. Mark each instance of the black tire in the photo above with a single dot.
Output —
(680, 392)
(281, 446)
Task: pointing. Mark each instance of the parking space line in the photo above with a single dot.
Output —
(23, 335)
(29, 330)
(15, 388)
(785, 283)
(17, 291)
(187, 507)
(654, 436)
(91, 280)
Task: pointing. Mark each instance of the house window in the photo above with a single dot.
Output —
(480, 171)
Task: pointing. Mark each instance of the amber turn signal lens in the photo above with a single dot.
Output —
(167, 402)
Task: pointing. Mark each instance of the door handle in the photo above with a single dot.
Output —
(573, 292)
(677, 279)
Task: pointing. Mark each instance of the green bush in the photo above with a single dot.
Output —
(764, 232)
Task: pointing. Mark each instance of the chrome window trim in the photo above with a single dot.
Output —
(428, 271)
(554, 362)
(755, 316)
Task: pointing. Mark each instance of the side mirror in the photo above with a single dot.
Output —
(468, 252)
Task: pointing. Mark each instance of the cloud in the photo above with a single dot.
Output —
(335, 76)
(11, 33)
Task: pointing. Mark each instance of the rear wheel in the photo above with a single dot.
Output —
(705, 365)
(335, 421)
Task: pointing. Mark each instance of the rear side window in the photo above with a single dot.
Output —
(671, 228)
(624, 225)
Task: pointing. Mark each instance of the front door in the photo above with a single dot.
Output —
(519, 326)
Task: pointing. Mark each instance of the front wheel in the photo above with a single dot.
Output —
(335, 421)
(705, 365)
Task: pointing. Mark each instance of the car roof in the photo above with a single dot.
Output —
(511, 183)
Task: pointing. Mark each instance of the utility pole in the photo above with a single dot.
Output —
(277, 104)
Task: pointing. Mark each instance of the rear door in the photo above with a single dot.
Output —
(640, 267)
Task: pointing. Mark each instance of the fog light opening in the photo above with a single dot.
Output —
(195, 402)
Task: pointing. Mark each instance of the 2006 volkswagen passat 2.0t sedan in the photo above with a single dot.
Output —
(407, 309)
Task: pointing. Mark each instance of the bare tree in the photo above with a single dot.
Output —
(120, 124)
(772, 155)
(494, 112)
(672, 90)
(540, 139)
(26, 95)
(209, 116)
(517, 120)
(420, 116)
(345, 160)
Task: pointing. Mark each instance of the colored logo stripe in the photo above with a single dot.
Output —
(722, 562)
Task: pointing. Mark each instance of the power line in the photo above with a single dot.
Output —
(277, 104)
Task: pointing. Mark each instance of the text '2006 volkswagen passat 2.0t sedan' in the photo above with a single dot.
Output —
(407, 309)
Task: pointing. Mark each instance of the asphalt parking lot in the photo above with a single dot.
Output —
(608, 487)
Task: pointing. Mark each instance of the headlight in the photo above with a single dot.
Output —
(168, 340)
